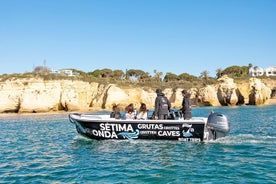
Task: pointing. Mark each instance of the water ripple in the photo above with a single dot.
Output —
(47, 149)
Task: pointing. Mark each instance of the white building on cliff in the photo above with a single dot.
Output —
(257, 71)
(65, 72)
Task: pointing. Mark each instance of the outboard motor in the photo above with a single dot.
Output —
(217, 125)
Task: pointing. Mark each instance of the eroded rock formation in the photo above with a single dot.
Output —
(259, 92)
(37, 95)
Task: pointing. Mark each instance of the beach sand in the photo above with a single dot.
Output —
(272, 101)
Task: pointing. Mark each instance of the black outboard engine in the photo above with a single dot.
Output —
(217, 126)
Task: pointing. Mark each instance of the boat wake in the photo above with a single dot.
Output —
(80, 137)
(246, 139)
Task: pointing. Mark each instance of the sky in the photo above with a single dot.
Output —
(177, 36)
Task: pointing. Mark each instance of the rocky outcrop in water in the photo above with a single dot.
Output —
(229, 93)
(37, 95)
(259, 92)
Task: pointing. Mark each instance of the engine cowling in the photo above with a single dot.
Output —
(217, 125)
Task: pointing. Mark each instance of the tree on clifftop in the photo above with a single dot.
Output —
(236, 71)
(137, 75)
(187, 77)
(170, 77)
(205, 76)
(157, 75)
(219, 72)
(104, 73)
(41, 70)
(118, 74)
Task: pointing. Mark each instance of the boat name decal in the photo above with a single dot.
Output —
(189, 139)
(103, 133)
(150, 126)
(148, 132)
(116, 127)
(169, 133)
(132, 131)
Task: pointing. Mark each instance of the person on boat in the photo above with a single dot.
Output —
(186, 105)
(130, 113)
(162, 105)
(115, 112)
(143, 112)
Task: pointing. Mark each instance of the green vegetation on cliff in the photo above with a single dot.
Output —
(139, 78)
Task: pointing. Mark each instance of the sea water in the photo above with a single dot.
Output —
(47, 149)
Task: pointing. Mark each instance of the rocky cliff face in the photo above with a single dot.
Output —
(228, 93)
(37, 95)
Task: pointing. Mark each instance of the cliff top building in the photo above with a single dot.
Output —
(65, 72)
(257, 71)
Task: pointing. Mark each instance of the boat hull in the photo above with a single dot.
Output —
(108, 128)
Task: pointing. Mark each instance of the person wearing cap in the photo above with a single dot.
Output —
(186, 105)
(162, 105)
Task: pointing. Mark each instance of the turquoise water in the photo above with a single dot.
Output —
(47, 149)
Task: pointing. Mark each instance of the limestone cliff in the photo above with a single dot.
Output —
(228, 93)
(259, 92)
(37, 95)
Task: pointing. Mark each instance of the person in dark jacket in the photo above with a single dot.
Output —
(186, 105)
(115, 112)
(162, 106)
